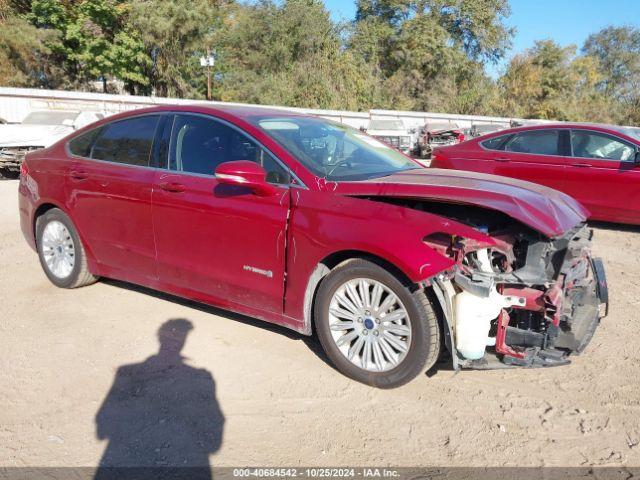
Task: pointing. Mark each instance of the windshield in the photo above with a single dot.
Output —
(49, 118)
(633, 132)
(488, 128)
(431, 127)
(334, 151)
(386, 125)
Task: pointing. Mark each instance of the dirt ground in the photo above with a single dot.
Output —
(282, 405)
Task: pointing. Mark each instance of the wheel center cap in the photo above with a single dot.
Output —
(368, 323)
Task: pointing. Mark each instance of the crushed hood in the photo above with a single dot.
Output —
(548, 211)
(32, 135)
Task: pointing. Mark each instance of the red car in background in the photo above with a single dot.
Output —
(318, 227)
(598, 165)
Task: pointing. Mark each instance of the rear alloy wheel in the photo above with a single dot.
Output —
(61, 253)
(58, 249)
(372, 327)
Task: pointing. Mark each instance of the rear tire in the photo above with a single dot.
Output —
(360, 302)
(62, 255)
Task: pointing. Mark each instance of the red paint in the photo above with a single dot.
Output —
(609, 189)
(252, 247)
(554, 299)
(243, 173)
(501, 338)
(534, 299)
(545, 210)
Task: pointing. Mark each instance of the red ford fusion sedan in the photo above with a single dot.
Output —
(598, 165)
(318, 227)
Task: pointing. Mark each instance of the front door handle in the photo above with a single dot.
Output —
(502, 159)
(78, 175)
(581, 165)
(173, 187)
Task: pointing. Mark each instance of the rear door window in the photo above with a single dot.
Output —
(539, 142)
(127, 141)
(600, 146)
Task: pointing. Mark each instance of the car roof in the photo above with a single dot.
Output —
(243, 111)
(619, 130)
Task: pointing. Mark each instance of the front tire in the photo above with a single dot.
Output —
(62, 255)
(372, 327)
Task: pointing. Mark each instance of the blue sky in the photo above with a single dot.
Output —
(565, 21)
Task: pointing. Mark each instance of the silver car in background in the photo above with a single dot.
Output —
(478, 130)
(392, 132)
(38, 130)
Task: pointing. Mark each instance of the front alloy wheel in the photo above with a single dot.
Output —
(369, 325)
(374, 328)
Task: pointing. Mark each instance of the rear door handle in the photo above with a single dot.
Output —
(78, 175)
(502, 159)
(173, 187)
(581, 165)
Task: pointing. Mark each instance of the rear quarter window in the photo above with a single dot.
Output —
(81, 145)
(495, 143)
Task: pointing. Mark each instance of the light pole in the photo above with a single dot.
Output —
(208, 62)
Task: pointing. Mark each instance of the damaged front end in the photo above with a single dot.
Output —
(12, 157)
(525, 301)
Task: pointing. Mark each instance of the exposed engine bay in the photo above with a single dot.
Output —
(438, 135)
(527, 300)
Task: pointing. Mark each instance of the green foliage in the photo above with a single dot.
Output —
(430, 54)
(23, 51)
(617, 50)
(474, 27)
(175, 34)
(93, 40)
(397, 54)
(290, 54)
(549, 81)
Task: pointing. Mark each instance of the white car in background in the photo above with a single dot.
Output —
(392, 132)
(38, 130)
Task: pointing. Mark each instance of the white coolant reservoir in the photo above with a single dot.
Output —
(473, 321)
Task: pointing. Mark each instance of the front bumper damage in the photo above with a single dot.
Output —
(12, 157)
(401, 142)
(545, 310)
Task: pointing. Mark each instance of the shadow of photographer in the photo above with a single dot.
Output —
(161, 416)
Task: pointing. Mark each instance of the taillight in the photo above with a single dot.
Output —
(23, 169)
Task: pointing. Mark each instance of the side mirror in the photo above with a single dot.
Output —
(245, 173)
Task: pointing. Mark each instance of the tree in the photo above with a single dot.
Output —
(475, 27)
(175, 34)
(290, 54)
(618, 52)
(550, 81)
(23, 52)
(429, 53)
(93, 41)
